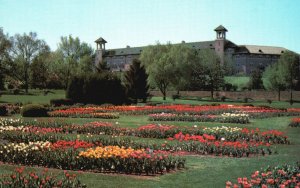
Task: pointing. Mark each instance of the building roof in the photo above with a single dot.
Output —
(221, 28)
(253, 49)
(138, 50)
(100, 40)
(272, 50)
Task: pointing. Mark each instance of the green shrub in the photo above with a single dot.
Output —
(16, 91)
(96, 89)
(175, 96)
(34, 110)
(3, 110)
(61, 102)
(251, 105)
(223, 98)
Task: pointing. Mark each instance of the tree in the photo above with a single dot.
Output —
(96, 89)
(256, 81)
(159, 66)
(273, 78)
(229, 68)
(77, 57)
(25, 48)
(136, 82)
(56, 71)
(183, 59)
(213, 70)
(288, 64)
(39, 71)
(5, 46)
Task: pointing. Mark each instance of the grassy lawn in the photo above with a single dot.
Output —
(275, 104)
(240, 81)
(35, 96)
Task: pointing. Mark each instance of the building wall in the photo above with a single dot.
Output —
(246, 63)
(98, 58)
(219, 49)
(117, 63)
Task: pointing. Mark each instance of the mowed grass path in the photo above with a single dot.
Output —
(201, 171)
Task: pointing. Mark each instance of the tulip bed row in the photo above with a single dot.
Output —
(30, 179)
(150, 131)
(252, 111)
(295, 122)
(223, 118)
(84, 114)
(204, 145)
(70, 155)
(286, 176)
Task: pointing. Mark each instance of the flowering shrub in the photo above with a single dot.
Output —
(280, 176)
(33, 179)
(295, 122)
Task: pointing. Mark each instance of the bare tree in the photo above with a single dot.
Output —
(24, 49)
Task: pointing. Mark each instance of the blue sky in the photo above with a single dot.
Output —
(143, 22)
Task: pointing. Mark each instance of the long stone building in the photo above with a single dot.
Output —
(245, 58)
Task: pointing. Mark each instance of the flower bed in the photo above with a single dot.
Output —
(149, 131)
(229, 148)
(128, 160)
(83, 113)
(279, 176)
(68, 155)
(295, 122)
(223, 118)
(252, 111)
(253, 147)
(34, 179)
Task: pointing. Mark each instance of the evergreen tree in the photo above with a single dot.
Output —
(256, 80)
(136, 82)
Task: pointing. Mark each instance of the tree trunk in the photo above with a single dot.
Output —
(291, 99)
(278, 94)
(164, 97)
(212, 94)
(26, 80)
